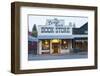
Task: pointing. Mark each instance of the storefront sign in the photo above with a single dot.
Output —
(55, 26)
(56, 30)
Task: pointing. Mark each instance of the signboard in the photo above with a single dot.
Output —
(54, 27)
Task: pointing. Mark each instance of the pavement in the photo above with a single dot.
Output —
(58, 56)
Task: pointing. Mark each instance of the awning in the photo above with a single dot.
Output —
(30, 38)
(62, 36)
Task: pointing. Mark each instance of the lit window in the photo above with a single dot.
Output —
(64, 44)
(45, 44)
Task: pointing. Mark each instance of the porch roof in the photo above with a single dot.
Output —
(62, 37)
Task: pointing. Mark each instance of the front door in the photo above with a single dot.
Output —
(55, 48)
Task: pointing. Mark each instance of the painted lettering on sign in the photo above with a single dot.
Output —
(55, 27)
(47, 29)
(56, 30)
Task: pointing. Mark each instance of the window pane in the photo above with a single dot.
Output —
(64, 44)
(45, 44)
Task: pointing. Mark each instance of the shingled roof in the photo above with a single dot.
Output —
(82, 30)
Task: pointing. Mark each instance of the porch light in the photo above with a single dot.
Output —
(64, 42)
(55, 41)
(46, 42)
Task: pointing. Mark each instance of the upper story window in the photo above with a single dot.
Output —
(86, 32)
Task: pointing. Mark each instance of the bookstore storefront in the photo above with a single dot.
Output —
(62, 46)
(58, 38)
(55, 46)
(55, 37)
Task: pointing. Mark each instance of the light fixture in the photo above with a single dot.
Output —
(55, 41)
(46, 42)
(64, 42)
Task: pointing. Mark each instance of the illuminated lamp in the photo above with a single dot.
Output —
(64, 42)
(46, 42)
(55, 41)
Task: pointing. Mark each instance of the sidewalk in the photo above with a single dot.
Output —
(58, 56)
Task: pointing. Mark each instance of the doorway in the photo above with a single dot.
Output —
(55, 46)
